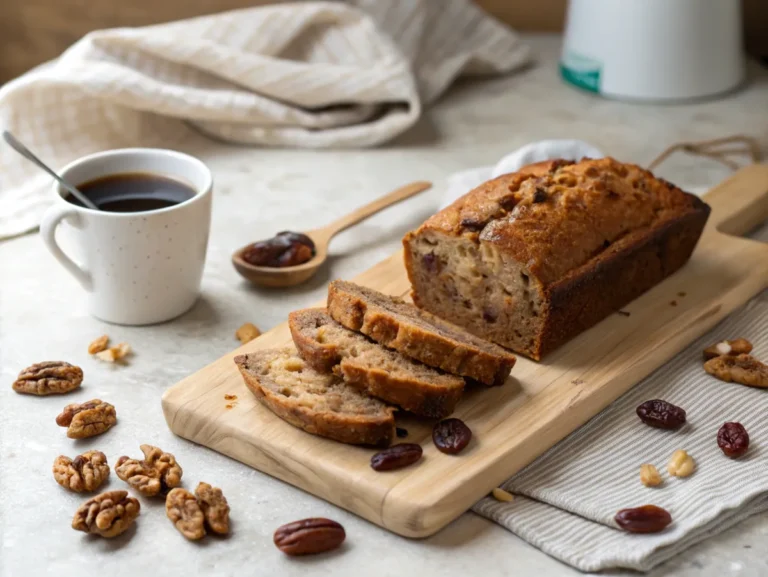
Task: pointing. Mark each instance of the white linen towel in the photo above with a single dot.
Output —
(566, 499)
(315, 74)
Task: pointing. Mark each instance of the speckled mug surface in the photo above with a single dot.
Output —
(137, 268)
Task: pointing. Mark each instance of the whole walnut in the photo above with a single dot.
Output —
(107, 515)
(154, 474)
(86, 472)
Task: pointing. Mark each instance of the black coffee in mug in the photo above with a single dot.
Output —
(133, 192)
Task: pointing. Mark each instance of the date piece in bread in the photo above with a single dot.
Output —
(383, 373)
(418, 334)
(530, 259)
(321, 404)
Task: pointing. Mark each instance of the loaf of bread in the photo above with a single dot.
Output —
(385, 374)
(319, 403)
(529, 260)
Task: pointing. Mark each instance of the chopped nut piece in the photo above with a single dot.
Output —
(735, 347)
(87, 419)
(86, 472)
(48, 378)
(742, 369)
(156, 473)
(187, 516)
(98, 345)
(649, 475)
(107, 515)
(116, 353)
(215, 508)
(681, 464)
(247, 332)
(502, 495)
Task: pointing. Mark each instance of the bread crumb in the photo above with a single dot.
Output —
(247, 332)
(682, 294)
(230, 397)
(623, 313)
(116, 353)
(673, 303)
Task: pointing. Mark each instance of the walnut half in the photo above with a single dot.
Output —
(156, 473)
(87, 419)
(107, 515)
(86, 472)
(743, 369)
(215, 508)
(182, 509)
(48, 378)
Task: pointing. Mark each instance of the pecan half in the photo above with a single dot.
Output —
(215, 508)
(86, 472)
(309, 536)
(48, 378)
(182, 509)
(154, 474)
(87, 419)
(107, 515)
(742, 369)
(735, 347)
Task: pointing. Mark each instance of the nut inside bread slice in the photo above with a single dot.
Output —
(318, 403)
(328, 346)
(417, 333)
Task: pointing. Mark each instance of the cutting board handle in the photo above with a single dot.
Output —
(740, 203)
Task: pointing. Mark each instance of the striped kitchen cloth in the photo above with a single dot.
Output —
(568, 497)
(312, 74)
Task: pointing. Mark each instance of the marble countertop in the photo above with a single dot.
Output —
(259, 191)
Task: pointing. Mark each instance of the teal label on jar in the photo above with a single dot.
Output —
(581, 71)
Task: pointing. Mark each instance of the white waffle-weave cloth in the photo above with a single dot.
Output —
(314, 74)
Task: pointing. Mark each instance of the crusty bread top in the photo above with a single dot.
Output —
(555, 216)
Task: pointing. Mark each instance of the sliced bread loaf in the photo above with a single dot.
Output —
(321, 404)
(418, 334)
(328, 346)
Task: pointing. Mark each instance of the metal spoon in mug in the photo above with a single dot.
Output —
(26, 153)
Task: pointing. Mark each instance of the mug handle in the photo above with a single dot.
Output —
(51, 219)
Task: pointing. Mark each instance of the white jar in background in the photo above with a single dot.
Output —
(654, 49)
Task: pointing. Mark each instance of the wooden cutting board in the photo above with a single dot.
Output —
(539, 405)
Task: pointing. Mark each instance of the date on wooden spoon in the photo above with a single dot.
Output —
(285, 276)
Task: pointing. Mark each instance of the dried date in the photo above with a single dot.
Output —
(451, 436)
(645, 519)
(286, 248)
(661, 414)
(309, 536)
(396, 457)
(733, 440)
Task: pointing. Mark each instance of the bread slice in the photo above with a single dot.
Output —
(417, 333)
(328, 346)
(321, 404)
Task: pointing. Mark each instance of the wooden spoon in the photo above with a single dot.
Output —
(293, 275)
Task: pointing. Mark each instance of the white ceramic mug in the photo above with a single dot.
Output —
(138, 268)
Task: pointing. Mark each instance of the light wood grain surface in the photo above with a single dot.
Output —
(539, 405)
